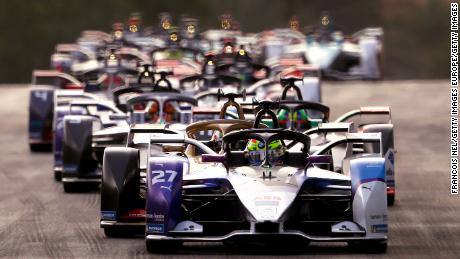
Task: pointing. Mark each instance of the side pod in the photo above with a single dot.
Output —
(76, 157)
(369, 197)
(388, 151)
(164, 197)
(40, 118)
(120, 176)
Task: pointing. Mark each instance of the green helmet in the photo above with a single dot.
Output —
(256, 151)
(299, 118)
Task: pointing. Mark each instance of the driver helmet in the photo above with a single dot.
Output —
(298, 119)
(242, 56)
(153, 112)
(256, 152)
(294, 23)
(134, 23)
(228, 48)
(117, 31)
(169, 112)
(209, 67)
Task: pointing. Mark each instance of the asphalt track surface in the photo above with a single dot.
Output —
(37, 219)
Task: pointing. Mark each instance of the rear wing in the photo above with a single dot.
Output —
(205, 113)
(64, 97)
(90, 102)
(332, 127)
(66, 47)
(162, 97)
(376, 32)
(56, 78)
(179, 138)
(151, 128)
(367, 115)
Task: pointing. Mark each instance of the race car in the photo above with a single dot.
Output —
(358, 56)
(312, 118)
(244, 68)
(41, 105)
(208, 79)
(265, 194)
(123, 185)
(79, 161)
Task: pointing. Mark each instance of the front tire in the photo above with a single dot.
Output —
(163, 246)
(375, 247)
(80, 187)
(40, 147)
(57, 176)
(390, 200)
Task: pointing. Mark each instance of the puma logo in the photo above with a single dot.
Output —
(366, 187)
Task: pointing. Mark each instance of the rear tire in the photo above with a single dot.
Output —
(390, 200)
(40, 147)
(71, 188)
(163, 246)
(57, 176)
(80, 187)
(115, 232)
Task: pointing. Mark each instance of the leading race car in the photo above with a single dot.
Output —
(269, 194)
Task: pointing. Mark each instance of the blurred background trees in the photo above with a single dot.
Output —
(416, 31)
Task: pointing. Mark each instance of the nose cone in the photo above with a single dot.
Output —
(265, 198)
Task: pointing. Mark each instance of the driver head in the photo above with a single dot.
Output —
(134, 22)
(325, 20)
(117, 31)
(209, 66)
(294, 23)
(165, 21)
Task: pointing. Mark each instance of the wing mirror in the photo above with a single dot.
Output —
(213, 158)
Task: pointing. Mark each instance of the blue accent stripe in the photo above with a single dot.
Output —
(365, 170)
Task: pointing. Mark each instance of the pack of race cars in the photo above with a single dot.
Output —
(218, 135)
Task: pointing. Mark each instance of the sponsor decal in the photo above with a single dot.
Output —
(381, 228)
(156, 217)
(379, 217)
(162, 176)
(41, 95)
(35, 135)
(70, 168)
(109, 215)
(155, 228)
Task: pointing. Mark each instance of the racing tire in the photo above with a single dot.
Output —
(57, 176)
(374, 247)
(390, 200)
(163, 246)
(40, 147)
(114, 232)
(79, 187)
